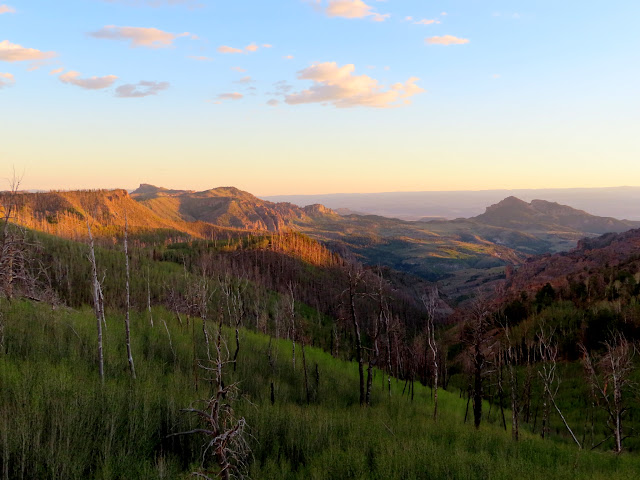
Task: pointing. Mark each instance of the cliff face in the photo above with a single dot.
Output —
(227, 207)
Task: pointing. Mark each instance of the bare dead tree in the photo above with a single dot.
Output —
(223, 433)
(550, 381)
(13, 244)
(149, 297)
(234, 298)
(97, 300)
(7, 246)
(480, 347)
(375, 332)
(355, 277)
(512, 358)
(609, 377)
(291, 305)
(128, 302)
(430, 302)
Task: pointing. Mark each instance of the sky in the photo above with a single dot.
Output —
(320, 96)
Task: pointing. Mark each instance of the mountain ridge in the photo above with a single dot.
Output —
(227, 207)
(515, 213)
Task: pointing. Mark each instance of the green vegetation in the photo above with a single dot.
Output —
(57, 421)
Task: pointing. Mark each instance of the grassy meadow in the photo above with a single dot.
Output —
(57, 421)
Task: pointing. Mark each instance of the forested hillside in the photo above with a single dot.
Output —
(290, 360)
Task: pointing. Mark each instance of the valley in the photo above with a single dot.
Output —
(337, 333)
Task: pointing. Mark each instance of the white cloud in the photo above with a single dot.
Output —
(349, 9)
(378, 17)
(226, 49)
(273, 102)
(6, 80)
(446, 40)
(92, 83)
(230, 96)
(239, 69)
(140, 89)
(139, 36)
(11, 52)
(6, 9)
(267, 45)
(251, 48)
(426, 21)
(288, 57)
(340, 87)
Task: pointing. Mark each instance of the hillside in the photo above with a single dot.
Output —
(589, 260)
(540, 215)
(462, 254)
(66, 213)
(59, 422)
(226, 207)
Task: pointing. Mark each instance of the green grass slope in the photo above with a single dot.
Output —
(58, 422)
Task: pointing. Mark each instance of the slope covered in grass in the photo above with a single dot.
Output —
(57, 421)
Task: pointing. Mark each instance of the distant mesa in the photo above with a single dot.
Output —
(541, 214)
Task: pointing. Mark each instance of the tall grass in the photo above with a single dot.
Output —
(57, 421)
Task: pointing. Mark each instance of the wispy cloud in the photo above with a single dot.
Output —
(140, 89)
(446, 40)
(245, 80)
(427, 21)
(288, 57)
(227, 49)
(239, 69)
(339, 87)
(11, 52)
(56, 71)
(514, 16)
(6, 9)
(200, 58)
(139, 36)
(230, 96)
(282, 88)
(6, 80)
(251, 48)
(91, 83)
(273, 102)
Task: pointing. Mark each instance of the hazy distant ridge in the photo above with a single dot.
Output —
(618, 202)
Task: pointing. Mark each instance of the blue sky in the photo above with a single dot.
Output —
(326, 96)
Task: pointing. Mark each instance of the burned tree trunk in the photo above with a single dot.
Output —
(430, 303)
(611, 382)
(354, 280)
(127, 319)
(550, 382)
(97, 300)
